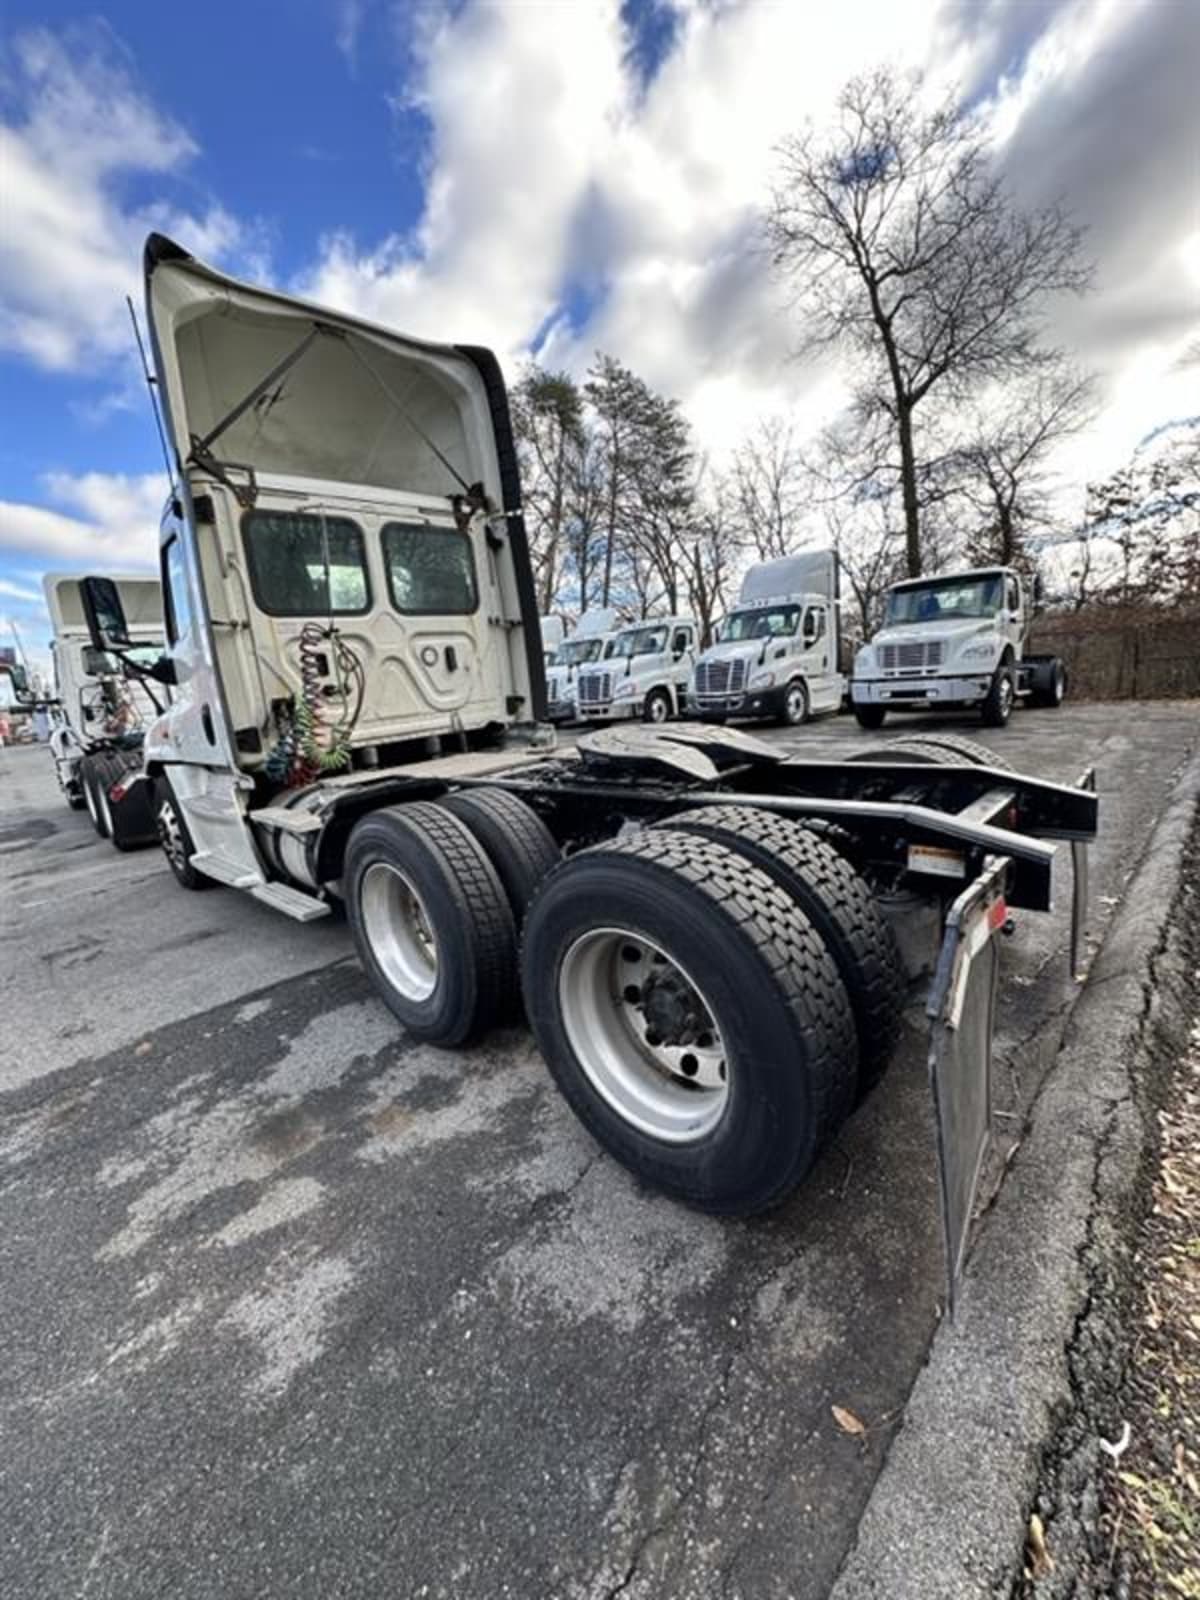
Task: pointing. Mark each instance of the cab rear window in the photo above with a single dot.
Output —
(306, 566)
(430, 571)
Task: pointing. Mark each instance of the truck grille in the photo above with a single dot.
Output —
(720, 677)
(923, 655)
(595, 688)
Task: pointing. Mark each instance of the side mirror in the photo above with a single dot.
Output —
(22, 690)
(105, 614)
(1039, 590)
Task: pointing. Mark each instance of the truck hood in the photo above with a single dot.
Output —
(254, 379)
(747, 650)
(952, 633)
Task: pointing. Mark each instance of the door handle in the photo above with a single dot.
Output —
(451, 658)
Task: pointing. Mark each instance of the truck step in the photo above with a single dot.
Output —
(223, 870)
(292, 902)
(290, 821)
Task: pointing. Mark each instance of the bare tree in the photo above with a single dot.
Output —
(903, 245)
(768, 477)
(1008, 442)
(618, 400)
(548, 423)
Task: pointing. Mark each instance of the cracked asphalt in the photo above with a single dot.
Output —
(292, 1305)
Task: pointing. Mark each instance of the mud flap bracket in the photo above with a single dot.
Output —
(1079, 885)
(961, 1011)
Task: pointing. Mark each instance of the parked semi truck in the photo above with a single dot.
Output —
(102, 705)
(645, 674)
(957, 642)
(778, 649)
(714, 935)
(592, 641)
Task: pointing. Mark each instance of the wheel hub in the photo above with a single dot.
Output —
(672, 1008)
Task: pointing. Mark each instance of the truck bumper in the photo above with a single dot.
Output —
(613, 711)
(899, 692)
(756, 703)
(558, 711)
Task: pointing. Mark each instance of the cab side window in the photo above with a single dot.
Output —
(176, 604)
(682, 641)
(814, 625)
(1013, 594)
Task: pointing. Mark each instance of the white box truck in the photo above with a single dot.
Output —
(777, 651)
(645, 673)
(956, 642)
(702, 928)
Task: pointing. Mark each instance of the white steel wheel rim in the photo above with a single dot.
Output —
(676, 1092)
(398, 930)
(1006, 695)
(1060, 685)
(659, 709)
(105, 810)
(171, 835)
(89, 796)
(794, 703)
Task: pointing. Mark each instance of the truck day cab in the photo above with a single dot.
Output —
(645, 673)
(712, 971)
(102, 706)
(777, 654)
(592, 641)
(955, 643)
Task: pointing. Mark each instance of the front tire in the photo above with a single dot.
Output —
(795, 705)
(176, 840)
(691, 1017)
(431, 921)
(658, 707)
(89, 781)
(868, 716)
(998, 705)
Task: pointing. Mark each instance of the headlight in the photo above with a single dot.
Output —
(864, 661)
(979, 652)
(762, 680)
(624, 690)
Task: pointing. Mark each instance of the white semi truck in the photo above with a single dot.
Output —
(644, 675)
(102, 705)
(956, 642)
(592, 641)
(777, 652)
(710, 940)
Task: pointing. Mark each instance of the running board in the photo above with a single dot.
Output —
(292, 902)
(224, 871)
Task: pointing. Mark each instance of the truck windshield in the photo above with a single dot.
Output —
(765, 622)
(945, 600)
(576, 651)
(640, 642)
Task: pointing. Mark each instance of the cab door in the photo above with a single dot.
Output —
(682, 655)
(817, 661)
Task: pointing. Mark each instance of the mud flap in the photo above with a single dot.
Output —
(961, 1009)
(1079, 885)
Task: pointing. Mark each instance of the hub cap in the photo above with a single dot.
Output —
(105, 809)
(795, 704)
(658, 709)
(643, 1034)
(398, 930)
(1006, 695)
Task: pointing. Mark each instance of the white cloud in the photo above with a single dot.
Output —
(552, 187)
(18, 591)
(75, 126)
(109, 522)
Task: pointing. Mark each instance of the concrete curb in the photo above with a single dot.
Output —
(947, 1516)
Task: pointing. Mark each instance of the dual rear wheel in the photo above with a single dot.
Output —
(710, 995)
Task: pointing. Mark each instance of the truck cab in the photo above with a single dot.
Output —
(777, 652)
(955, 642)
(591, 642)
(645, 674)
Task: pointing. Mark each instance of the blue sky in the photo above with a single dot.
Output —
(548, 176)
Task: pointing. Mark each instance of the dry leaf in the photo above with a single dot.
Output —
(144, 1048)
(1040, 1561)
(848, 1422)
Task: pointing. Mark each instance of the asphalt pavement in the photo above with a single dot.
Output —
(292, 1305)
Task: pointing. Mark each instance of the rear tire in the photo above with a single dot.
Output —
(176, 840)
(89, 782)
(837, 903)
(978, 755)
(1050, 682)
(870, 717)
(712, 949)
(431, 921)
(514, 838)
